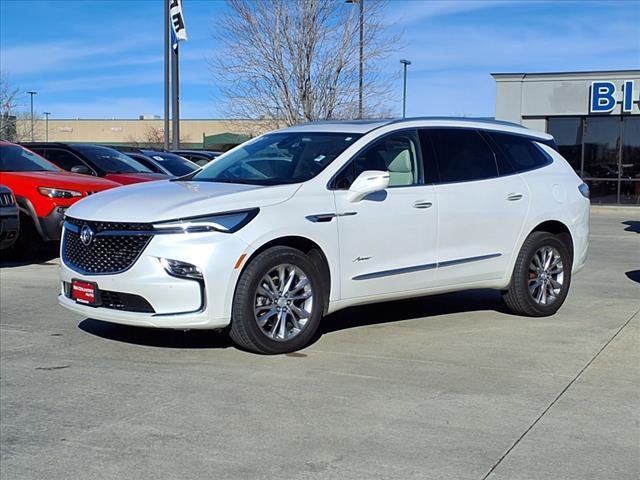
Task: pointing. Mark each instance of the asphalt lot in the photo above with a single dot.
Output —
(444, 387)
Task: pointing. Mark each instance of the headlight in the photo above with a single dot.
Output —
(58, 193)
(222, 222)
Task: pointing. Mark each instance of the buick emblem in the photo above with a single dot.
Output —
(86, 235)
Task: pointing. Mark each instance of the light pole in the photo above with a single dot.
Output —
(46, 126)
(405, 64)
(32, 94)
(361, 60)
(167, 74)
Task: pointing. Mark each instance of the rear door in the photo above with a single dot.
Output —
(480, 212)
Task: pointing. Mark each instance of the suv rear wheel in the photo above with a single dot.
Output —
(541, 276)
(278, 303)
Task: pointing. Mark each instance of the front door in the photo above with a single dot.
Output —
(387, 240)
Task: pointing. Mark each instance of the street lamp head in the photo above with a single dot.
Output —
(405, 62)
(32, 93)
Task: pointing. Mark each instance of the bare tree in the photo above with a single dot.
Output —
(297, 60)
(8, 105)
(22, 127)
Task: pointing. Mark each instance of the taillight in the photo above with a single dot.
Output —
(584, 190)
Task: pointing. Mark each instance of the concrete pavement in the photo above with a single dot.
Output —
(444, 387)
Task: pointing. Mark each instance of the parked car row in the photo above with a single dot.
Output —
(40, 182)
(95, 160)
(166, 163)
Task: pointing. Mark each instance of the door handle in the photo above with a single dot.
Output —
(512, 197)
(422, 204)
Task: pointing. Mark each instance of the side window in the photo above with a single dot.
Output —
(521, 153)
(62, 158)
(462, 155)
(397, 153)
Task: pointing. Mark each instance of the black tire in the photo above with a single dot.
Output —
(518, 297)
(245, 331)
(28, 244)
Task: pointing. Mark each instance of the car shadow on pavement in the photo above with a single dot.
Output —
(633, 275)
(10, 258)
(156, 337)
(415, 308)
(353, 317)
(632, 226)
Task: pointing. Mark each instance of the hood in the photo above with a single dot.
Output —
(65, 180)
(167, 200)
(129, 178)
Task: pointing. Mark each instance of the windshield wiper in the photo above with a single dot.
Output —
(228, 180)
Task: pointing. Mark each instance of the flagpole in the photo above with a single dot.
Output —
(167, 47)
(175, 90)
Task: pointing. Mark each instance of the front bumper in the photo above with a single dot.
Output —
(178, 303)
(50, 227)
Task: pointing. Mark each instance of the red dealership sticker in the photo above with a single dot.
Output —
(84, 292)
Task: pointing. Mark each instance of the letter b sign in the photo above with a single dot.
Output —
(603, 97)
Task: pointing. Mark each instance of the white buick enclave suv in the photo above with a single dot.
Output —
(304, 221)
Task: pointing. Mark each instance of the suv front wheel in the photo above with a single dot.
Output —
(279, 302)
(541, 276)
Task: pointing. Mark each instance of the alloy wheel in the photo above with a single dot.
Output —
(283, 302)
(546, 275)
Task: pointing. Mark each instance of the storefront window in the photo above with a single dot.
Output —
(603, 191)
(605, 150)
(630, 148)
(630, 192)
(568, 134)
(601, 147)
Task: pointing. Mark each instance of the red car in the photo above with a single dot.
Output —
(43, 192)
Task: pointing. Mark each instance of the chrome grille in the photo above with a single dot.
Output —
(6, 199)
(114, 248)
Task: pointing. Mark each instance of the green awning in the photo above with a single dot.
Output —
(224, 139)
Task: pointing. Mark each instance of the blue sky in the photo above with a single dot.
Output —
(103, 59)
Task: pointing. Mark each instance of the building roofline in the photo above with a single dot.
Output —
(157, 120)
(497, 75)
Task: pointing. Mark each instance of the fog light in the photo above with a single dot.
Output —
(181, 269)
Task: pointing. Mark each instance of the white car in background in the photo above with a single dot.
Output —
(304, 221)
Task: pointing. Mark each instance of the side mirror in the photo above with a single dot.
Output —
(81, 169)
(368, 182)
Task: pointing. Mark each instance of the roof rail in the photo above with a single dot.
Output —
(488, 120)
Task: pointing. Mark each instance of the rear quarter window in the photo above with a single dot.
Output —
(520, 153)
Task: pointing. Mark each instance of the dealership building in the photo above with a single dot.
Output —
(594, 117)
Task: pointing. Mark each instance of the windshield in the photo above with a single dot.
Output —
(14, 158)
(176, 164)
(111, 161)
(277, 158)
